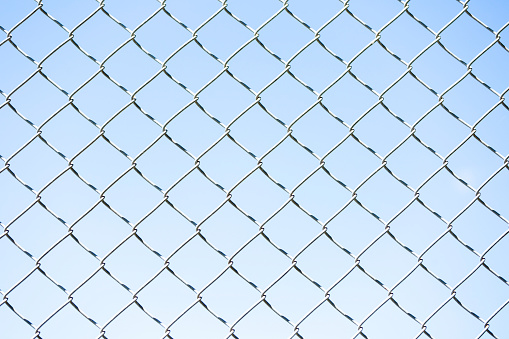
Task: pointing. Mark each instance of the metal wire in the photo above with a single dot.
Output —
(229, 194)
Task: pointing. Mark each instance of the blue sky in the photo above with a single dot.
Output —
(263, 168)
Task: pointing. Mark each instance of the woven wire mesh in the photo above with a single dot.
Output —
(276, 169)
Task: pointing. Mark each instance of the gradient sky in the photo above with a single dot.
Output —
(133, 145)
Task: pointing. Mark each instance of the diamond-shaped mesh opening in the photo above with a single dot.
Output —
(493, 16)
(269, 196)
(162, 98)
(357, 295)
(225, 105)
(239, 169)
(228, 219)
(166, 297)
(38, 43)
(396, 196)
(189, 193)
(354, 228)
(133, 263)
(381, 141)
(170, 35)
(255, 121)
(482, 293)
(275, 35)
(351, 162)
(344, 45)
(70, 19)
(413, 163)
(14, 132)
(13, 58)
(485, 70)
(100, 163)
(210, 326)
(164, 229)
(136, 322)
(287, 99)
(10, 208)
(126, 195)
(310, 196)
(489, 127)
(431, 294)
(254, 67)
(231, 296)
(497, 187)
(324, 253)
(447, 268)
(327, 319)
(223, 35)
(435, 13)
(59, 67)
(291, 219)
(261, 322)
(163, 163)
(317, 15)
(466, 227)
(454, 315)
(112, 35)
(319, 130)
(71, 141)
(13, 325)
(493, 257)
(100, 99)
(454, 195)
(497, 324)
(100, 230)
(38, 99)
(132, 131)
(377, 68)
(441, 131)
(389, 321)
(12, 274)
(130, 13)
(261, 263)
(193, 14)
(470, 100)
(391, 265)
(130, 66)
(69, 264)
(101, 286)
(69, 197)
(374, 13)
(36, 230)
(417, 227)
(462, 165)
(462, 27)
(445, 72)
(193, 118)
(193, 67)
(292, 286)
(420, 99)
(254, 14)
(37, 297)
(226, 163)
(75, 322)
(289, 163)
(197, 263)
(313, 61)
(405, 37)
(13, 13)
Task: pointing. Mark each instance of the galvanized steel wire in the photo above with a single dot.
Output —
(321, 162)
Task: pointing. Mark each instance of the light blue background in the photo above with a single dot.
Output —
(164, 230)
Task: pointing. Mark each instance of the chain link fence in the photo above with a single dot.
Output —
(268, 169)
